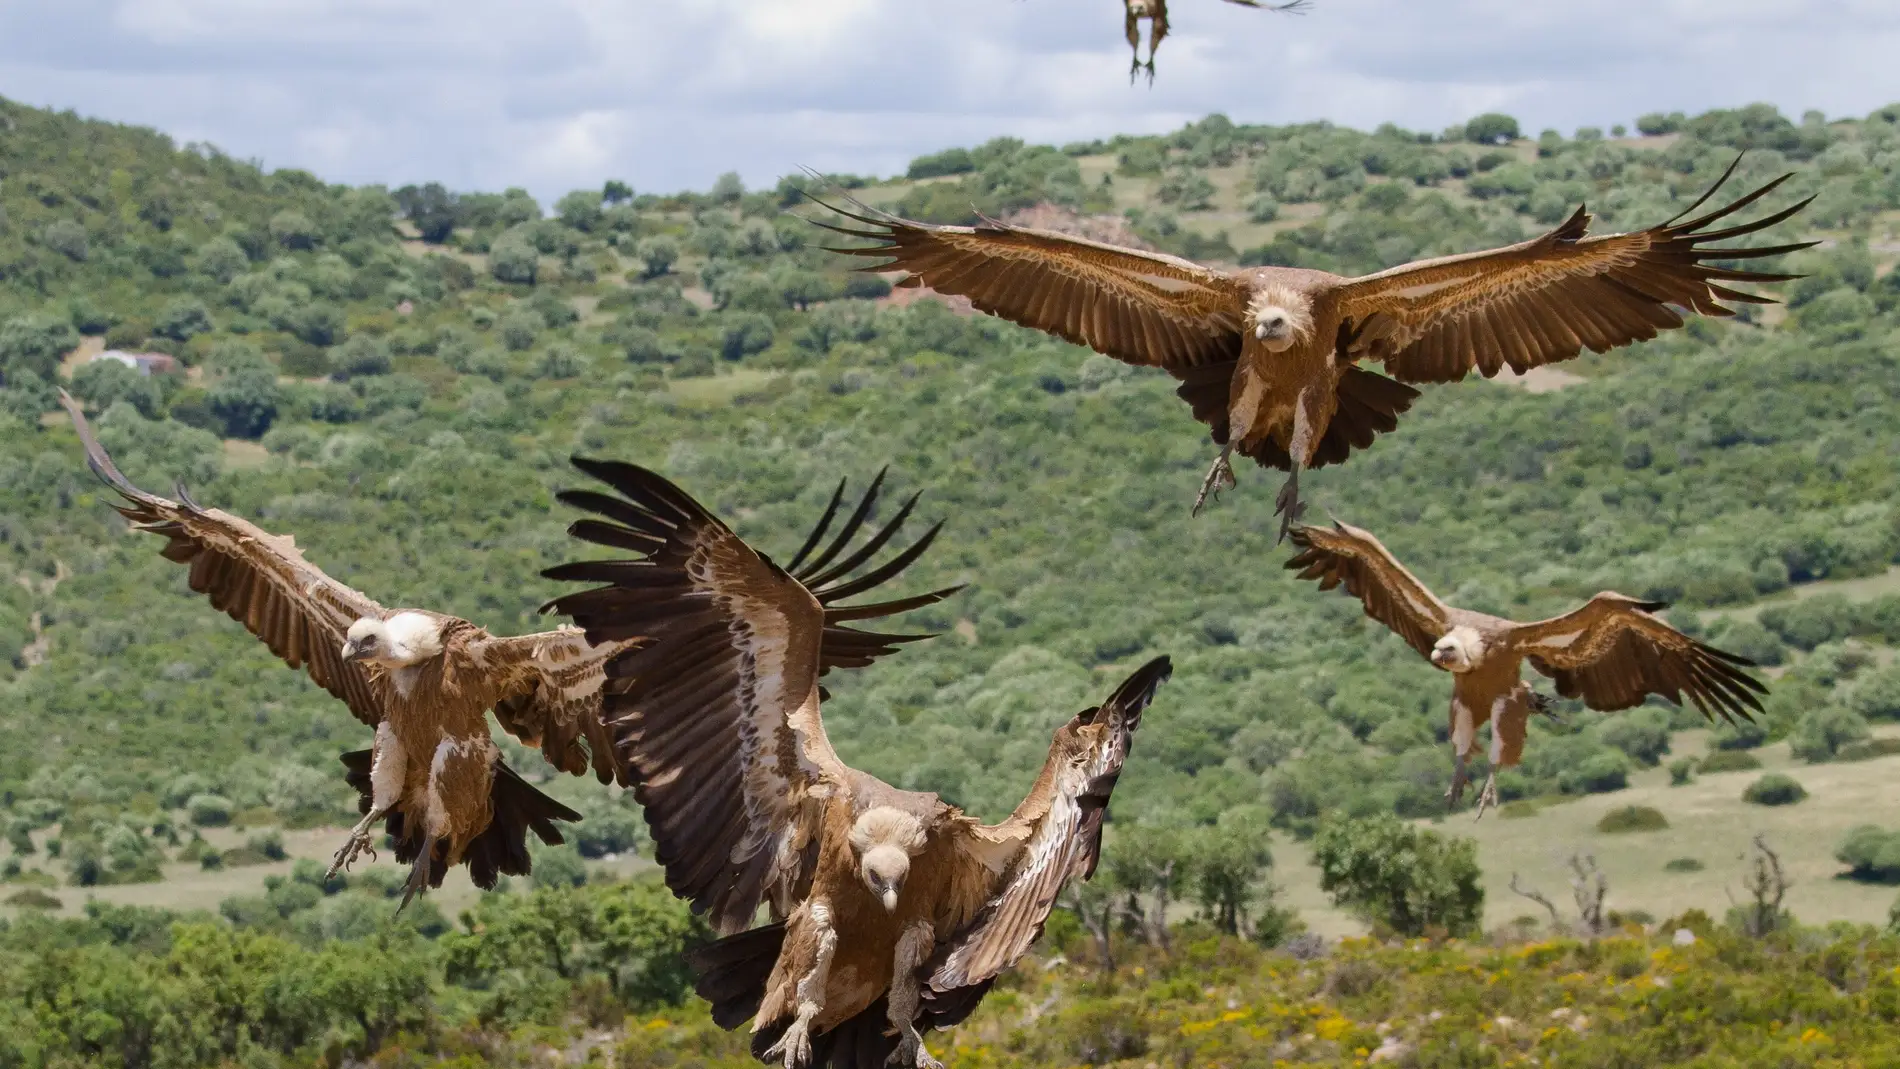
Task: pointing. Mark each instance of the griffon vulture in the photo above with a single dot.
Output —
(425, 681)
(1268, 356)
(1156, 12)
(891, 911)
(1610, 652)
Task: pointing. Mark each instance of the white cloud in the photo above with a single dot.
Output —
(559, 94)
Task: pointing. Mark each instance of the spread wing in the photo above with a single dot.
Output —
(714, 704)
(1612, 653)
(1138, 307)
(1547, 299)
(259, 579)
(554, 691)
(1054, 835)
(1390, 594)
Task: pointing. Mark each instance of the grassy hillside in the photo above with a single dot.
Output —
(397, 378)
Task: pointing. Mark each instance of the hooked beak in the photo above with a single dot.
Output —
(889, 899)
(351, 651)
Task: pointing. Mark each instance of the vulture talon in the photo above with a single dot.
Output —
(1287, 504)
(1488, 797)
(793, 1049)
(1219, 477)
(911, 1053)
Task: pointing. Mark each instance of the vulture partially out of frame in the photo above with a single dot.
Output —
(891, 912)
(1268, 357)
(426, 681)
(1156, 14)
(1611, 652)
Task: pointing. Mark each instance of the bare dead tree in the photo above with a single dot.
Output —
(1538, 897)
(1589, 886)
(1766, 886)
(1094, 905)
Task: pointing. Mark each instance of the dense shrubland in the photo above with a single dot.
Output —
(398, 377)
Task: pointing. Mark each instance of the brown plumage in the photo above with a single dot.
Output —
(1267, 357)
(1155, 12)
(1611, 652)
(888, 908)
(425, 682)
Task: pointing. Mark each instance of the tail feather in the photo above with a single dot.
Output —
(731, 973)
(500, 849)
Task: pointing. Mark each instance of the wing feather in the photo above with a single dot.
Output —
(1445, 317)
(259, 579)
(1391, 594)
(1052, 837)
(713, 701)
(553, 685)
(1141, 308)
(1613, 654)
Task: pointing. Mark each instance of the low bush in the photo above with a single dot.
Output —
(1682, 771)
(1632, 818)
(1729, 761)
(1683, 864)
(1871, 854)
(1774, 789)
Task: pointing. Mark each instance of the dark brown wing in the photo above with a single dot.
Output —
(257, 578)
(834, 574)
(1547, 299)
(714, 707)
(1613, 654)
(1052, 837)
(1390, 594)
(1138, 307)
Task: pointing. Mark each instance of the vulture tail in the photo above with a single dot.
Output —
(502, 847)
(731, 973)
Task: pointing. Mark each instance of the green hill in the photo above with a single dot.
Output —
(405, 408)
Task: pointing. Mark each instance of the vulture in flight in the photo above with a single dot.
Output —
(1611, 652)
(1156, 12)
(426, 681)
(1268, 357)
(890, 911)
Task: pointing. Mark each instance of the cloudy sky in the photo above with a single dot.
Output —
(666, 94)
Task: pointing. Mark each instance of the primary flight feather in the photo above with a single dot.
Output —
(1611, 652)
(1268, 357)
(890, 911)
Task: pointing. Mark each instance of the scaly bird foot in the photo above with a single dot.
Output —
(1488, 797)
(358, 843)
(1219, 477)
(794, 1047)
(1288, 505)
(911, 1054)
(1457, 789)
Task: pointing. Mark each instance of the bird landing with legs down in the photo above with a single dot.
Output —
(1612, 652)
(890, 912)
(1269, 357)
(1155, 14)
(426, 682)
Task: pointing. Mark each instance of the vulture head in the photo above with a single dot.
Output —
(1281, 317)
(1459, 650)
(885, 839)
(405, 639)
